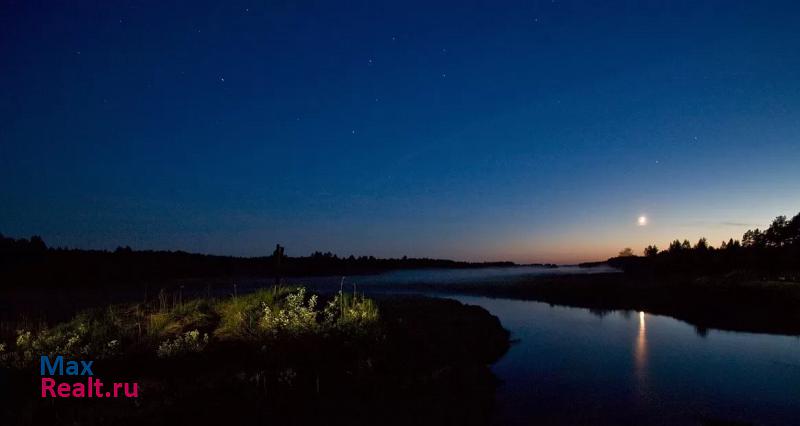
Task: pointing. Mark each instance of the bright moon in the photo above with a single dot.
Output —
(642, 221)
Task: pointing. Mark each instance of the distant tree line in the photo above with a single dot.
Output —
(30, 262)
(774, 252)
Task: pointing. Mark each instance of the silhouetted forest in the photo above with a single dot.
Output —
(30, 262)
(773, 253)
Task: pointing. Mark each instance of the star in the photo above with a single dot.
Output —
(222, 79)
(444, 75)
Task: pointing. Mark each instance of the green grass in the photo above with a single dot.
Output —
(267, 315)
(240, 315)
(192, 315)
(351, 312)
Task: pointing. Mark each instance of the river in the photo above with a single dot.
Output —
(577, 366)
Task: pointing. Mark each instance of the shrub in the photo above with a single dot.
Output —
(68, 339)
(189, 342)
(97, 333)
(352, 313)
(296, 316)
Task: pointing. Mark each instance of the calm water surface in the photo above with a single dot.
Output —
(575, 366)
(571, 365)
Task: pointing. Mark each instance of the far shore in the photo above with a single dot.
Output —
(731, 302)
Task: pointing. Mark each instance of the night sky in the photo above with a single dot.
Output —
(531, 131)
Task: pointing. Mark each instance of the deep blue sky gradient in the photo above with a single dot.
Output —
(530, 131)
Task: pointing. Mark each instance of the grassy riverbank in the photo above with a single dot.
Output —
(278, 355)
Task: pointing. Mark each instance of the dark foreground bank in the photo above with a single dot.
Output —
(273, 357)
(737, 302)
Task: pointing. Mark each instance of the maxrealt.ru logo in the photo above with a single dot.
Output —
(79, 369)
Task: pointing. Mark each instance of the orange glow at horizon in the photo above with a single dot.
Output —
(581, 244)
